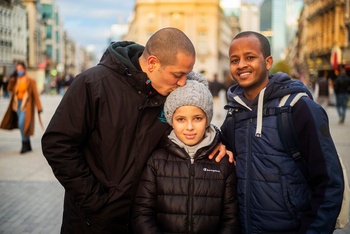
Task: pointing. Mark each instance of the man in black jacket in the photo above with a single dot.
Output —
(108, 123)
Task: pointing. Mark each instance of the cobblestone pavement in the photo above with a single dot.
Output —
(31, 199)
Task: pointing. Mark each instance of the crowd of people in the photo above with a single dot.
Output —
(133, 144)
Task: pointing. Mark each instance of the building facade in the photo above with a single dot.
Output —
(31, 31)
(249, 17)
(13, 35)
(323, 37)
(203, 21)
(278, 22)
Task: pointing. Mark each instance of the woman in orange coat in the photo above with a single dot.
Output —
(21, 109)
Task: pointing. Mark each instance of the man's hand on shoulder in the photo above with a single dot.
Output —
(219, 152)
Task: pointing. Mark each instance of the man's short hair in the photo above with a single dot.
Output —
(264, 42)
(166, 43)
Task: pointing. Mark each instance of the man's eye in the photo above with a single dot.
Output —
(234, 61)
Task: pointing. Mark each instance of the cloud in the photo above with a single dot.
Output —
(89, 22)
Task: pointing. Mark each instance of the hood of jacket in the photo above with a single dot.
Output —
(122, 57)
(201, 150)
(124, 53)
(279, 85)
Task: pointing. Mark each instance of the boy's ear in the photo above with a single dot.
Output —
(269, 62)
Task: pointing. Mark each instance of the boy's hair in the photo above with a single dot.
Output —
(264, 42)
(194, 93)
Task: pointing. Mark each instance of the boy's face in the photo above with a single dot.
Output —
(248, 66)
(189, 123)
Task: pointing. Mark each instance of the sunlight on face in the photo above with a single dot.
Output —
(189, 123)
(248, 66)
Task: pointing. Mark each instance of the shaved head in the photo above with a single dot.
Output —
(166, 43)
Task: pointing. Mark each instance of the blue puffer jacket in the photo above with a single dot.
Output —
(273, 195)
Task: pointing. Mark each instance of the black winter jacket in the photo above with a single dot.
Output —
(273, 195)
(100, 138)
(177, 196)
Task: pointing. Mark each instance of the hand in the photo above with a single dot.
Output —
(219, 152)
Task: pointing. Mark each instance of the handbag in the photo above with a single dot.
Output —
(10, 120)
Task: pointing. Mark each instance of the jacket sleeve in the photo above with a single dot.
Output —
(36, 96)
(324, 169)
(144, 209)
(12, 84)
(63, 146)
(230, 218)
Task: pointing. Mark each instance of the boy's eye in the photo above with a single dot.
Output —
(180, 119)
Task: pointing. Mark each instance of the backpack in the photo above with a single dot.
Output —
(290, 141)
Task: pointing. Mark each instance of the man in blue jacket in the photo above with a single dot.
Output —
(274, 196)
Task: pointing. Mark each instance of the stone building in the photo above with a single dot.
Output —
(13, 34)
(203, 21)
(323, 37)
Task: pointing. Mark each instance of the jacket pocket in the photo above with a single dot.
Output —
(288, 201)
(297, 196)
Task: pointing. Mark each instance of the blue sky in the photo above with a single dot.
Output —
(89, 22)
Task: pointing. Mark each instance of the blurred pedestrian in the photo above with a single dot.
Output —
(5, 82)
(342, 89)
(321, 93)
(62, 85)
(162, 205)
(21, 110)
(69, 80)
(273, 193)
(215, 87)
(108, 123)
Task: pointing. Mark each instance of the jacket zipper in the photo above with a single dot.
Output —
(190, 197)
(249, 166)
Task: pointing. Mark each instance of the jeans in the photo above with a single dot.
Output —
(21, 115)
(342, 102)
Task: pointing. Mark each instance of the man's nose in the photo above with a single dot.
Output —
(182, 81)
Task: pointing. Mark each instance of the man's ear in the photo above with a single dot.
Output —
(152, 63)
(269, 62)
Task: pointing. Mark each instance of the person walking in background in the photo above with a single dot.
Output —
(5, 82)
(321, 93)
(181, 189)
(341, 90)
(21, 110)
(215, 87)
(107, 125)
(273, 194)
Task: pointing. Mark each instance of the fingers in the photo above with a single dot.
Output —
(214, 152)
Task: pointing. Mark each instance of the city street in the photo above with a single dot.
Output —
(31, 199)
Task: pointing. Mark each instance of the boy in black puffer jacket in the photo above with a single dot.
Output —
(181, 190)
